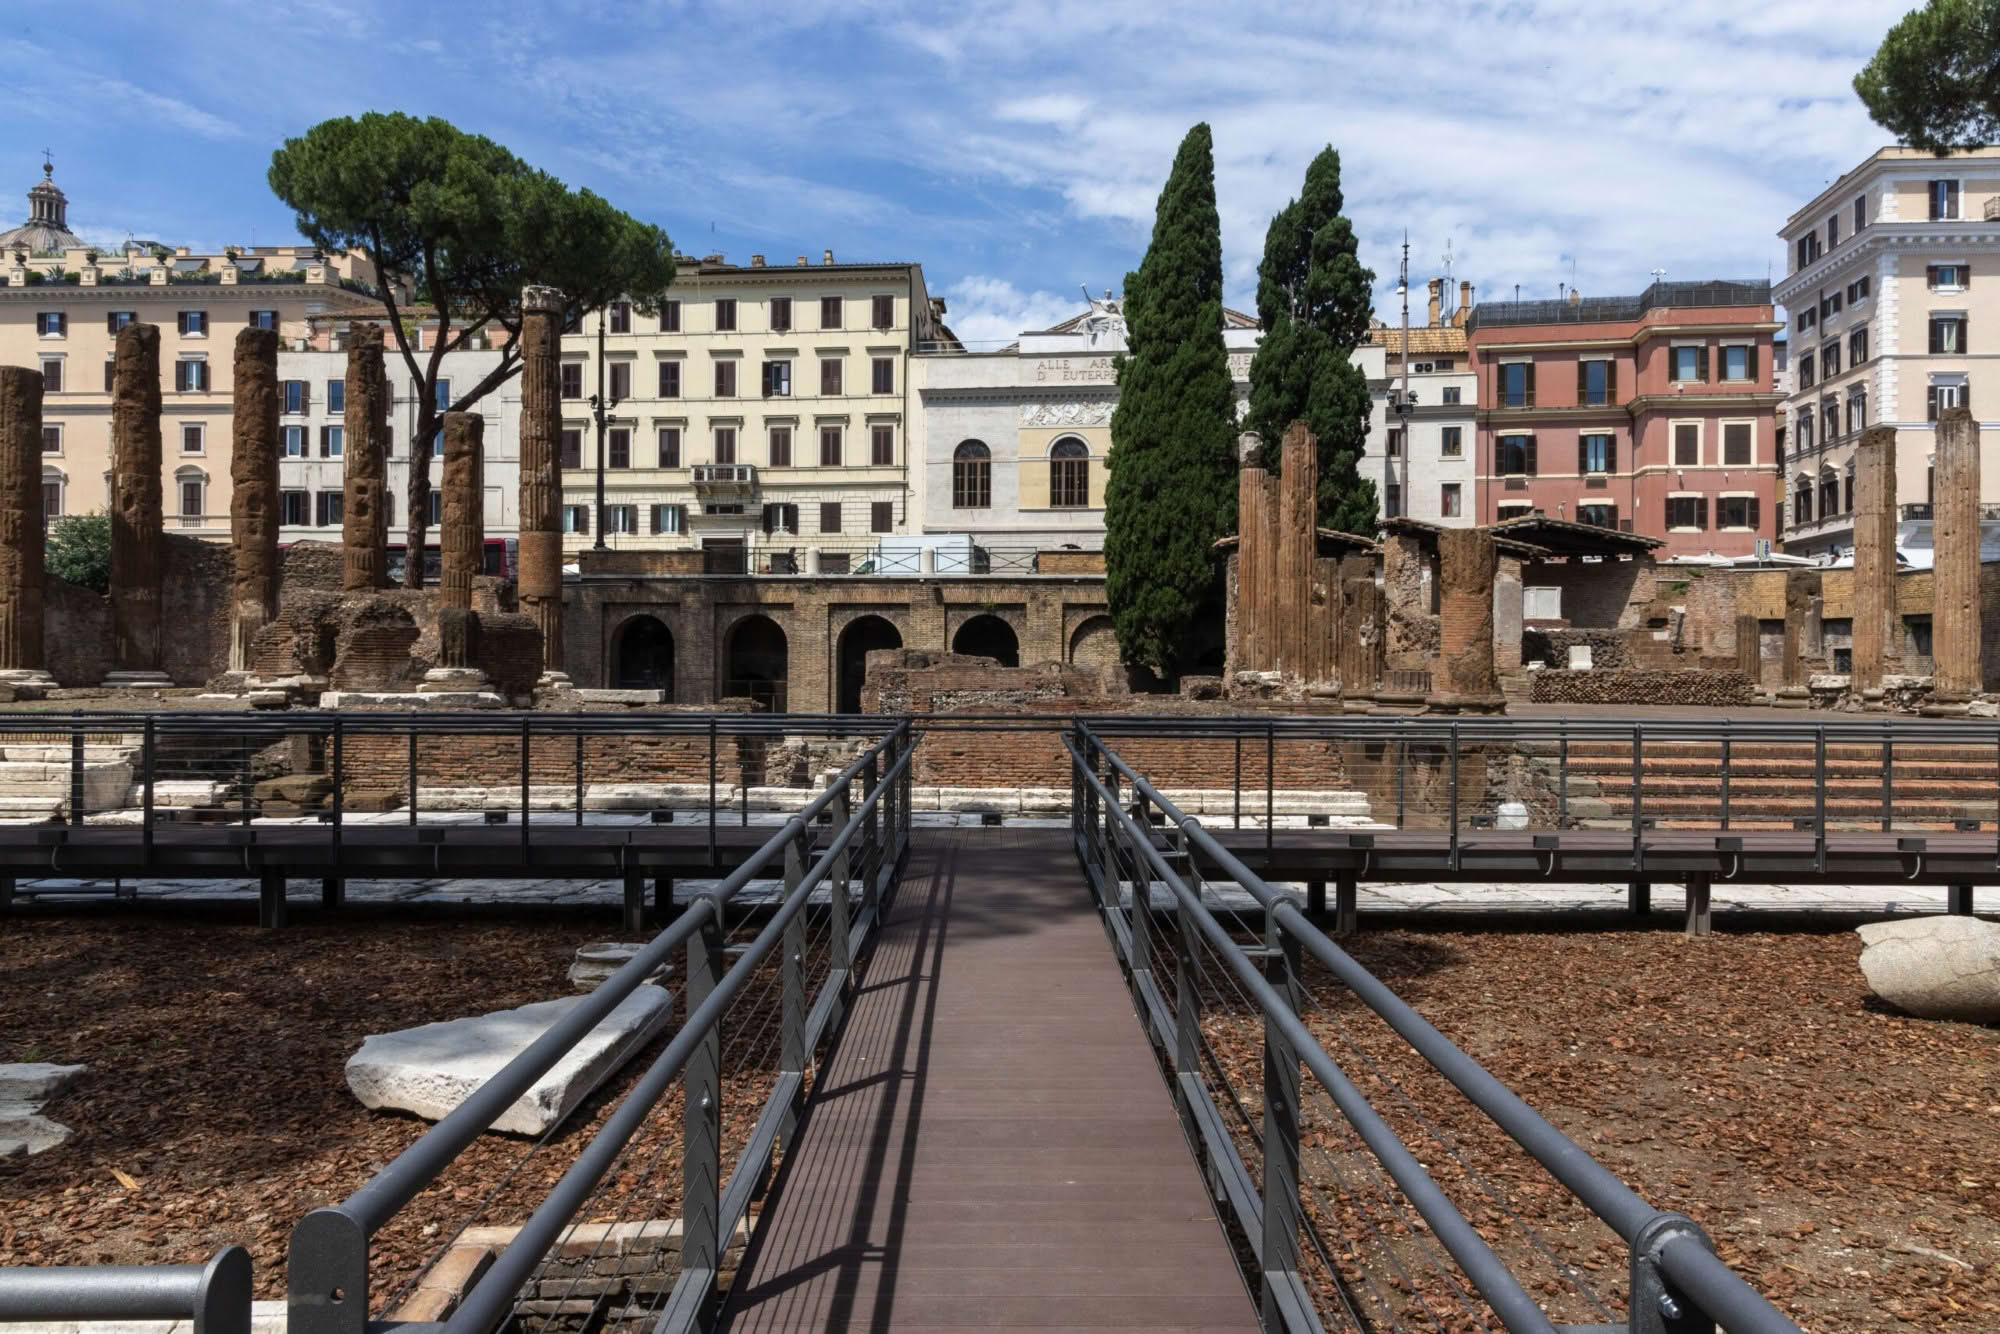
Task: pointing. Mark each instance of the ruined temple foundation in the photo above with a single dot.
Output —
(1876, 642)
(136, 537)
(1467, 564)
(1956, 668)
(21, 532)
(541, 478)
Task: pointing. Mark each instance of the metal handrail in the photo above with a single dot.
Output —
(1658, 1238)
(328, 1268)
(216, 1295)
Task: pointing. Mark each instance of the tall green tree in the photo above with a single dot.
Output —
(1312, 301)
(1935, 81)
(455, 221)
(1172, 486)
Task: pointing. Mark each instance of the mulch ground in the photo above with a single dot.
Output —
(1839, 1153)
(216, 1109)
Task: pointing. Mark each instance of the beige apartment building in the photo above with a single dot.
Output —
(760, 413)
(63, 302)
(1894, 306)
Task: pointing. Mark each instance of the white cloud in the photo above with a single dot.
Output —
(987, 312)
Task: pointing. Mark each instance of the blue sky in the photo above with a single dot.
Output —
(1015, 149)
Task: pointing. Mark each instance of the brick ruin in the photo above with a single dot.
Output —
(135, 508)
(21, 574)
(541, 470)
(364, 512)
(254, 505)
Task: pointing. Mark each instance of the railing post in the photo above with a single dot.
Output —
(579, 780)
(413, 773)
(1452, 807)
(871, 833)
(527, 749)
(1725, 778)
(1819, 803)
(1187, 995)
(1562, 780)
(1281, 1131)
(1655, 1308)
(338, 803)
(711, 792)
(1888, 780)
(701, 1117)
(839, 878)
(908, 780)
(892, 820)
(1402, 778)
(1638, 804)
(76, 771)
(792, 972)
(1270, 784)
(1236, 788)
(146, 812)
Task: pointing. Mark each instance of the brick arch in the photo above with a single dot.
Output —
(1094, 643)
(645, 653)
(957, 616)
(732, 655)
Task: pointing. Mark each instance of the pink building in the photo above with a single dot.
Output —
(1651, 414)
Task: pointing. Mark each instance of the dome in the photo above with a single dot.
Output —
(47, 227)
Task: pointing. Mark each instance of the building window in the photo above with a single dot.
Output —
(330, 508)
(1829, 419)
(884, 312)
(264, 319)
(882, 516)
(1687, 444)
(619, 518)
(52, 375)
(1857, 408)
(332, 441)
(1833, 231)
(1736, 444)
(882, 375)
(1805, 428)
(1452, 440)
(670, 379)
(669, 440)
(297, 507)
(295, 397)
(620, 439)
(1829, 360)
(1392, 501)
(1736, 512)
(829, 516)
(725, 377)
(829, 446)
(1944, 394)
(1594, 382)
(192, 497)
(725, 314)
(882, 446)
(1598, 514)
(670, 317)
(1802, 506)
(781, 520)
(1945, 277)
(1860, 212)
(1450, 394)
(1513, 509)
(781, 446)
(1517, 384)
(1448, 500)
(1688, 363)
(1829, 495)
(292, 442)
(1596, 454)
(51, 323)
(1857, 346)
(1069, 474)
(1805, 373)
(1687, 512)
(1739, 362)
(1944, 200)
(570, 444)
(336, 396)
(777, 379)
(193, 323)
(52, 437)
(1829, 306)
(669, 519)
(1393, 445)
(1517, 455)
(829, 375)
(1947, 335)
(621, 317)
(781, 314)
(971, 476)
(114, 320)
(1857, 291)
(1808, 317)
(571, 380)
(193, 437)
(621, 380)
(829, 312)
(110, 376)
(725, 444)
(576, 518)
(52, 498)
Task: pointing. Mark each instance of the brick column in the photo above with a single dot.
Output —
(1298, 544)
(1467, 562)
(1802, 591)
(1874, 597)
(364, 511)
(254, 513)
(1360, 632)
(136, 540)
(1508, 616)
(1403, 564)
(1955, 664)
(21, 525)
(541, 472)
(1250, 571)
(1749, 660)
(462, 535)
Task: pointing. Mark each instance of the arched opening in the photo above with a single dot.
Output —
(1069, 474)
(863, 635)
(645, 656)
(758, 663)
(971, 476)
(988, 636)
(1094, 644)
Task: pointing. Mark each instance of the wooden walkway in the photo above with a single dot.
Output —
(993, 1144)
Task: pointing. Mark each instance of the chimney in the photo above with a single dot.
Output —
(826, 257)
(1464, 299)
(1574, 296)
(1437, 296)
(802, 261)
(756, 261)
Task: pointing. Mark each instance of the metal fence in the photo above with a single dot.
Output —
(1297, 1164)
(215, 1296)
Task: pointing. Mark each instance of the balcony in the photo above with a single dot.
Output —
(1923, 512)
(715, 480)
(1991, 210)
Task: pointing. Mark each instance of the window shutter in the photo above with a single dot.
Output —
(1531, 439)
(325, 441)
(181, 320)
(583, 518)
(1701, 363)
(1582, 455)
(1531, 400)
(111, 322)
(1611, 380)
(1582, 382)
(1965, 396)
(1701, 512)
(1756, 512)
(1611, 453)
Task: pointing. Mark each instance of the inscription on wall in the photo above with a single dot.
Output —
(1073, 370)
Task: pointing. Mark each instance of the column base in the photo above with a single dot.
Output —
(1792, 697)
(1467, 703)
(137, 680)
(444, 680)
(554, 681)
(27, 682)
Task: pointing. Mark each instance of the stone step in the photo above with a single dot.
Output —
(93, 753)
(29, 810)
(596, 797)
(178, 794)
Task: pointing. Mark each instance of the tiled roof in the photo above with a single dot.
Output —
(1425, 340)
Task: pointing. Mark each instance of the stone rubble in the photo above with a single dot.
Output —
(25, 1088)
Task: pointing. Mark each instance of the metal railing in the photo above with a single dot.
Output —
(215, 1296)
(328, 1273)
(1676, 1280)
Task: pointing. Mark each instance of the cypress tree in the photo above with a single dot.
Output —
(1172, 486)
(1312, 301)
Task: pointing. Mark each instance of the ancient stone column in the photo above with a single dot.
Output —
(136, 540)
(1955, 664)
(1802, 593)
(541, 471)
(364, 510)
(1250, 571)
(1749, 659)
(21, 525)
(1361, 639)
(1298, 544)
(254, 512)
(1467, 563)
(463, 535)
(1874, 597)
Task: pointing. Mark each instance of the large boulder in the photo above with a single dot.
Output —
(431, 1069)
(24, 1088)
(1935, 967)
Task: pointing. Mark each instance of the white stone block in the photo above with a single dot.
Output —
(432, 1069)
(1580, 659)
(36, 1081)
(1935, 967)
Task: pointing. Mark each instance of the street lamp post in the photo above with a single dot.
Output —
(600, 407)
